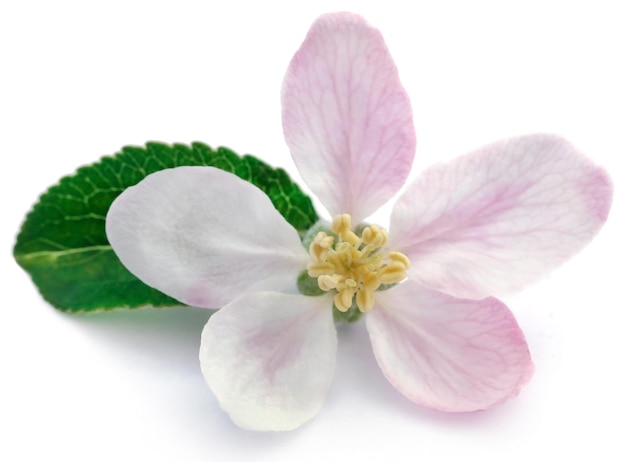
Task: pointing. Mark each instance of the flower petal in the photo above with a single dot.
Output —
(447, 353)
(346, 117)
(493, 221)
(270, 358)
(203, 236)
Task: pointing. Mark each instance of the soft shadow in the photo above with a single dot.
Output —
(164, 333)
(162, 344)
(359, 379)
(165, 342)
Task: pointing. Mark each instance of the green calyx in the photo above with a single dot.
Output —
(353, 314)
(308, 286)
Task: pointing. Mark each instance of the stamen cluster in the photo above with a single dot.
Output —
(353, 265)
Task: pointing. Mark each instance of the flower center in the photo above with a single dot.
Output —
(354, 266)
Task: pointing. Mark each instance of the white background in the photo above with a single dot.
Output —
(79, 80)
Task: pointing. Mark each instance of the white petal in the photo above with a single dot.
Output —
(346, 117)
(203, 236)
(270, 358)
(495, 220)
(447, 353)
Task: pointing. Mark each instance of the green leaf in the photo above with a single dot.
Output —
(63, 244)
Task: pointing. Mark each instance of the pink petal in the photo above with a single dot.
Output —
(346, 117)
(270, 358)
(204, 236)
(447, 353)
(495, 220)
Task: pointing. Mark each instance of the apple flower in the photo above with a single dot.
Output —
(486, 224)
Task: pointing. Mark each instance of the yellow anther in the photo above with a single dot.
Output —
(374, 236)
(392, 273)
(365, 300)
(341, 223)
(343, 300)
(323, 240)
(370, 281)
(354, 266)
(319, 269)
(327, 282)
(318, 253)
(320, 245)
(400, 258)
(367, 235)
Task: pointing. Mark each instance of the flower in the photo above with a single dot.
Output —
(486, 224)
